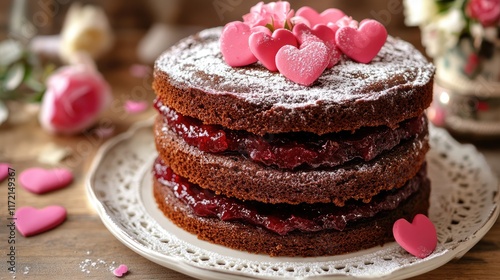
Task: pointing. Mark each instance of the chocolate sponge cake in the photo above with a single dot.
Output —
(256, 160)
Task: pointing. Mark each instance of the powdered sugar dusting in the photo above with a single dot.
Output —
(197, 62)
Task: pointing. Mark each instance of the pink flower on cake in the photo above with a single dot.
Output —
(75, 97)
(487, 12)
(272, 15)
(274, 27)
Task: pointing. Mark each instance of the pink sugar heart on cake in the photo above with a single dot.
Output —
(234, 44)
(265, 47)
(314, 18)
(324, 34)
(362, 44)
(303, 65)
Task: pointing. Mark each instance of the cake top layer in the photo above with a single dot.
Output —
(193, 79)
(196, 62)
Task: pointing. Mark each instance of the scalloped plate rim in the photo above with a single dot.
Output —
(184, 266)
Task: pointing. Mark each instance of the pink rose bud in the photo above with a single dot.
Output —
(485, 11)
(75, 97)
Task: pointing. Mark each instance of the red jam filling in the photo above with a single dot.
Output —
(291, 150)
(281, 218)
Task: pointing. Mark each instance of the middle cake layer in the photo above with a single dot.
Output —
(236, 176)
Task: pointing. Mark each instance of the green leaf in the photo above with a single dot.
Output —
(270, 27)
(10, 52)
(14, 77)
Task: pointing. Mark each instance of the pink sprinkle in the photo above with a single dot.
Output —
(4, 171)
(135, 107)
(140, 71)
(120, 271)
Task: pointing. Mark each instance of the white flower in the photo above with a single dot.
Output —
(452, 21)
(418, 12)
(442, 33)
(86, 29)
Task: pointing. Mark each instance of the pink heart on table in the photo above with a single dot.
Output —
(362, 44)
(314, 18)
(31, 221)
(418, 238)
(4, 171)
(120, 270)
(234, 44)
(304, 65)
(265, 47)
(135, 107)
(39, 180)
(322, 32)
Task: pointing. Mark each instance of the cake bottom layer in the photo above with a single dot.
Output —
(358, 235)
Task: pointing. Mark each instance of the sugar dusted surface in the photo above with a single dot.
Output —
(196, 62)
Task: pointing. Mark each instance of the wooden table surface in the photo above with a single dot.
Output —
(83, 248)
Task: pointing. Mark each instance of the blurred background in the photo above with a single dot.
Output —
(465, 49)
(131, 20)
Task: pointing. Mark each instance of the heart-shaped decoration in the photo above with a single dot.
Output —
(120, 270)
(362, 44)
(322, 32)
(314, 18)
(39, 180)
(4, 171)
(418, 238)
(234, 44)
(31, 221)
(304, 65)
(135, 107)
(265, 47)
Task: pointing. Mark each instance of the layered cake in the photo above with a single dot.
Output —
(317, 154)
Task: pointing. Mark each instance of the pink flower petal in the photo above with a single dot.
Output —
(135, 107)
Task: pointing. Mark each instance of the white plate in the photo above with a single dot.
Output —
(464, 206)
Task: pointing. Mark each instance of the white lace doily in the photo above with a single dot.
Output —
(464, 206)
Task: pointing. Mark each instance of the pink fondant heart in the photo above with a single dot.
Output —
(265, 47)
(120, 270)
(304, 65)
(234, 44)
(314, 18)
(334, 27)
(362, 44)
(39, 180)
(4, 171)
(347, 21)
(259, 28)
(31, 221)
(322, 32)
(418, 238)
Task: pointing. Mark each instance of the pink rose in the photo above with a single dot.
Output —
(74, 98)
(485, 11)
(274, 14)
